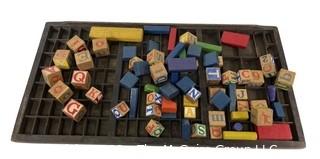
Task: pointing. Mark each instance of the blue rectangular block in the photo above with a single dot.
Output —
(152, 45)
(169, 115)
(185, 129)
(232, 95)
(182, 65)
(176, 51)
(169, 90)
(185, 84)
(128, 52)
(220, 100)
(194, 51)
(271, 93)
(156, 29)
(128, 80)
(141, 68)
(134, 94)
(210, 59)
(174, 77)
(279, 112)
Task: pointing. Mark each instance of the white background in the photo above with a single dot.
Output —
(22, 24)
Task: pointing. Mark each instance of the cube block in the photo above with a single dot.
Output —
(153, 98)
(129, 80)
(190, 112)
(193, 94)
(168, 106)
(189, 103)
(134, 60)
(220, 100)
(229, 77)
(151, 88)
(74, 110)
(141, 68)
(153, 110)
(51, 75)
(185, 84)
(241, 94)
(239, 135)
(199, 130)
(257, 78)
(155, 56)
(120, 110)
(62, 59)
(169, 90)
(213, 75)
(128, 52)
(239, 116)
(84, 60)
(268, 65)
(61, 92)
(188, 38)
(94, 95)
(81, 79)
(243, 105)
(159, 73)
(154, 128)
(194, 51)
(285, 79)
(76, 44)
(262, 116)
(152, 45)
(215, 132)
(235, 39)
(217, 118)
(210, 59)
(100, 47)
(156, 29)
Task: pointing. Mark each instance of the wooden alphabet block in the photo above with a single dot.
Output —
(94, 95)
(168, 106)
(84, 60)
(120, 110)
(262, 116)
(189, 103)
(61, 92)
(193, 94)
(51, 75)
(215, 132)
(155, 56)
(213, 75)
(220, 100)
(153, 98)
(244, 76)
(190, 112)
(217, 118)
(154, 128)
(213, 90)
(239, 135)
(256, 78)
(153, 110)
(134, 60)
(254, 104)
(229, 77)
(128, 52)
(268, 66)
(199, 130)
(285, 79)
(74, 110)
(76, 44)
(185, 84)
(169, 90)
(159, 73)
(243, 105)
(239, 116)
(100, 47)
(188, 38)
(62, 59)
(242, 94)
(128, 80)
(81, 79)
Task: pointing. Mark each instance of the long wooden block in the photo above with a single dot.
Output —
(134, 97)
(215, 132)
(239, 135)
(274, 132)
(206, 47)
(117, 33)
(182, 65)
(235, 39)
(156, 29)
(172, 38)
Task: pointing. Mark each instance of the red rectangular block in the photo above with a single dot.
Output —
(235, 39)
(172, 39)
(274, 132)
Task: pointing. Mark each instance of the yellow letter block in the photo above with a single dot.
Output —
(190, 112)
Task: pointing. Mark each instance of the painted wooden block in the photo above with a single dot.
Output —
(159, 73)
(199, 130)
(141, 68)
(182, 65)
(169, 90)
(213, 90)
(81, 79)
(185, 84)
(151, 88)
(174, 77)
(176, 51)
(134, 97)
(213, 75)
(220, 100)
(278, 110)
(76, 44)
(156, 29)
(100, 47)
(217, 118)
(51, 75)
(129, 80)
(241, 94)
(243, 105)
(117, 33)
(152, 45)
(220, 61)
(272, 95)
(190, 112)
(94, 95)
(285, 79)
(128, 52)
(244, 76)
(194, 51)
(61, 92)
(229, 77)
(134, 60)
(239, 116)
(155, 56)
(268, 65)
(255, 104)
(74, 110)
(154, 128)
(210, 59)
(120, 110)
(274, 132)
(206, 47)
(262, 116)
(235, 39)
(239, 135)
(215, 132)
(62, 59)
(237, 126)
(168, 106)
(232, 96)
(193, 94)
(153, 110)
(172, 38)
(189, 103)
(84, 60)
(186, 129)
(257, 78)
(188, 38)
(168, 115)
(153, 98)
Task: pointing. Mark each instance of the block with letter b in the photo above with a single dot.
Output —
(62, 59)
(217, 118)
(285, 79)
(267, 65)
(84, 60)
(154, 128)
(74, 110)
(100, 47)
(120, 110)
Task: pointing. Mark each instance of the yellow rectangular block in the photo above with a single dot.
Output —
(239, 116)
(189, 103)
(117, 33)
(239, 135)
(190, 112)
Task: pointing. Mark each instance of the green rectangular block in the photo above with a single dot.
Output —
(151, 88)
(206, 47)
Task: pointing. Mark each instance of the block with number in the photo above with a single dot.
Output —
(257, 78)
(243, 105)
(94, 95)
(81, 79)
(74, 110)
(258, 104)
(229, 77)
(153, 110)
(51, 75)
(268, 66)
(213, 75)
(215, 132)
(159, 73)
(189, 103)
(220, 100)
(185, 84)
(217, 118)
(194, 51)
(188, 38)
(213, 90)
(168, 106)
(84, 60)
(242, 94)
(155, 56)
(193, 94)
(61, 92)
(100, 47)
(153, 98)
(128, 52)
(62, 59)
(210, 59)
(154, 128)
(244, 76)
(262, 116)
(169, 90)
(285, 79)
(76, 44)
(134, 60)
(190, 112)
(129, 80)
(199, 130)
(120, 110)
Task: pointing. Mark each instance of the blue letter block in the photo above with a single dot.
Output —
(128, 52)
(194, 51)
(169, 90)
(220, 100)
(210, 59)
(185, 84)
(128, 80)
